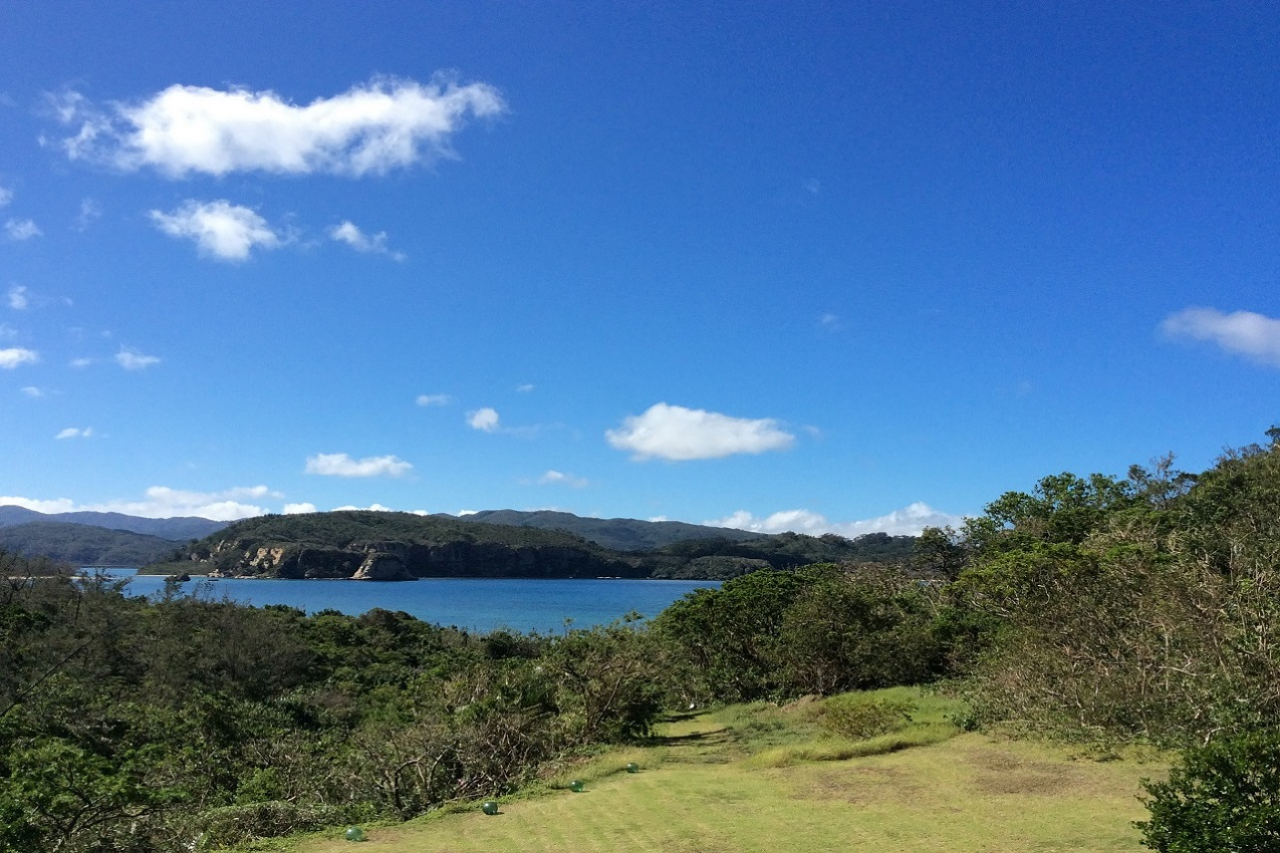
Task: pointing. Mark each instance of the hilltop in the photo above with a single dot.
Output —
(619, 534)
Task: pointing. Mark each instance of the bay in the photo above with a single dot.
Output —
(476, 604)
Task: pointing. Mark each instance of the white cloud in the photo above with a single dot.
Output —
(220, 506)
(677, 433)
(525, 388)
(18, 300)
(370, 129)
(6, 196)
(81, 362)
(22, 229)
(75, 432)
(36, 505)
(485, 420)
(33, 391)
(434, 400)
(134, 360)
(164, 502)
(559, 478)
(348, 232)
(1255, 336)
(14, 356)
(375, 507)
(908, 521)
(342, 465)
(224, 230)
(298, 509)
(7, 331)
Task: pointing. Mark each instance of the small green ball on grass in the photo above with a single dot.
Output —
(633, 767)
(355, 833)
(577, 786)
(489, 807)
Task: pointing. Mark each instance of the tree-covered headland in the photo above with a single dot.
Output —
(1140, 607)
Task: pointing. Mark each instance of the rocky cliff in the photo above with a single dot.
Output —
(422, 550)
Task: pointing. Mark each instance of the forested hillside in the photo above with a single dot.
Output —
(618, 534)
(84, 545)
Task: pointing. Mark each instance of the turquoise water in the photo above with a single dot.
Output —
(477, 605)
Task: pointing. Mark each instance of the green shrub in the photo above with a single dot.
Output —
(859, 719)
(1221, 797)
(231, 825)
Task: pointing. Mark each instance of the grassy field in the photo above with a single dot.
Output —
(746, 780)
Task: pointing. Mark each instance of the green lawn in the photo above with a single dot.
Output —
(743, 781)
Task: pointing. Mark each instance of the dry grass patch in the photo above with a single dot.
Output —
(967, 794)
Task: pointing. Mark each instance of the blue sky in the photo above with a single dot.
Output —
(823, 267)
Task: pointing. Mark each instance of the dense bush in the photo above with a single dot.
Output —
(1135, 608)
(857, 718)
(821, 629)
(149, 725)
(1221, 797)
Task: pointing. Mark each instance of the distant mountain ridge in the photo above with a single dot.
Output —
(389, 545)
(179, 529)
(85, 545)
(618, 534)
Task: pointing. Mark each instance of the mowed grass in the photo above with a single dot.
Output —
(744, 780)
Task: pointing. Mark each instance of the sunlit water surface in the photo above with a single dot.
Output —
(474, 604)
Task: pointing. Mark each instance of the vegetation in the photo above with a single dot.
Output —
(1099, 609)
(1221, 796)
(762, 777)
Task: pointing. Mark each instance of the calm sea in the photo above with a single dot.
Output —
(477, 605)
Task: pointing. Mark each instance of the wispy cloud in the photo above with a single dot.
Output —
(342, 465)
(678, 434)
(526, 388)
(434, 400)
(33, 391)
(559, 478)
(133, 360)
(22, 229)
(18, 300)
(14, 356)
(348, 232)
(163, 502)
(298, 508)
(90, 210)
(1254, 336)
(382, 125)
(6, 196)
(485, 420)
(75, 432)
(908, 521)
(223, 230)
